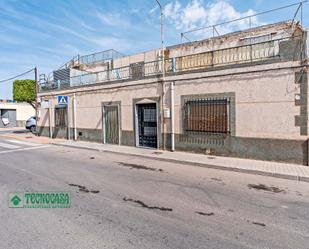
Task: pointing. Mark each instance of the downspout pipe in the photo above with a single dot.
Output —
(50, 118)
(74, 117)
(69, 122)
(172, 116)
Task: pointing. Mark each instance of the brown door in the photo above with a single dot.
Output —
(111, 124)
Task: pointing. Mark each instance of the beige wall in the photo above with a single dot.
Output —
(265, 105)
(265, 99)
(89, 105)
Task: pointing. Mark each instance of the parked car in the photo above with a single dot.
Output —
(31, 124)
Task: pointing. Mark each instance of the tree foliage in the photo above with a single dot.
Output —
(24, 91)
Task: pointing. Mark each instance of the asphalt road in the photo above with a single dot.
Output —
(145, 203)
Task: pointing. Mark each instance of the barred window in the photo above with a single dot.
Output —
(61, 117)
(206, 115)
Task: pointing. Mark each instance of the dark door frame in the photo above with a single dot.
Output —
(137, 127)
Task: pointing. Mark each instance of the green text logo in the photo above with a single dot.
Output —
(40, 200)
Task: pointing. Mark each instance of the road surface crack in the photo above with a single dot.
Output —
(138, 166)
(84, 189)
(265, 188)
(204, 214)
(142, 204)
(257, 223)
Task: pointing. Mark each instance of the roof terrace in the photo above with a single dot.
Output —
(282, 41)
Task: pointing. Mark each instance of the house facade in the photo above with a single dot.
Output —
(243, 94)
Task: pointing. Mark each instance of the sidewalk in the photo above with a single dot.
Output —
(275, 169)
(281, 170)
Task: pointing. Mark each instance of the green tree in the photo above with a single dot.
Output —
(24, 91)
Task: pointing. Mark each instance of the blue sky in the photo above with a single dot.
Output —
(46, 33)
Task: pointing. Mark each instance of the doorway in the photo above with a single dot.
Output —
(147, 125)
(111, 124)
(61, 129)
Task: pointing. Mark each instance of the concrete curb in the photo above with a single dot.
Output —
(247, 171)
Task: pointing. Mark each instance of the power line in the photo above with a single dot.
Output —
(12, 78)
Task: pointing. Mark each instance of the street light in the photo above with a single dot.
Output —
(162, 37)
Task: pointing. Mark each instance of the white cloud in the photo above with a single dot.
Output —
(195, 14)
(173, 13)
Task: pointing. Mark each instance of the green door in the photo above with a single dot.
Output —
(111, 124)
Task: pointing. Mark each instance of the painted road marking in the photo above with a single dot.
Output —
(23, 149)
(21, 142)
(9, 146)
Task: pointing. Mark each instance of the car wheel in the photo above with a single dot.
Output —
(32, 129)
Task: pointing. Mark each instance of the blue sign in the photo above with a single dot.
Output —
(62, 100)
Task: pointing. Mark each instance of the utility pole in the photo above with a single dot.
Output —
(163, 70)
(162, 37)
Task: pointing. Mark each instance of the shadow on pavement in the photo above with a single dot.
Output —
(20, 131)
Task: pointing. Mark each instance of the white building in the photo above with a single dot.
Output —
(14, 114)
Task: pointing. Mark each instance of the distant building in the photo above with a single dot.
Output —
(243, 94)
(14, 114)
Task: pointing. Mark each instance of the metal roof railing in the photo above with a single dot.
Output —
(247, 53)
(214, 28)
(100, 56)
